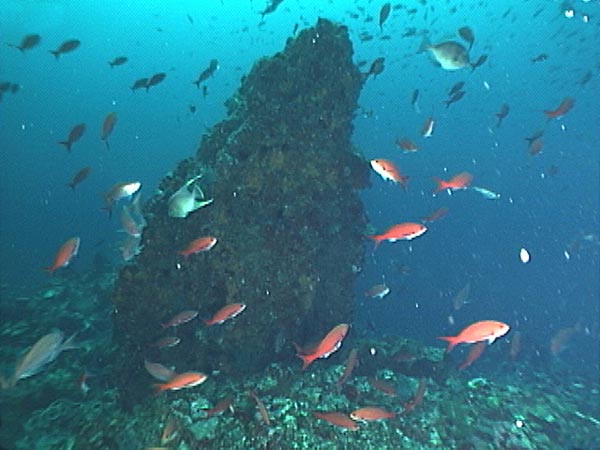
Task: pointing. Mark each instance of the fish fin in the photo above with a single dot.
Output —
(451, 340)
(441, 184)
(425, 45)
(67, 144)
(56, 53)
(306, 360)
(197, 83)
(68, 344)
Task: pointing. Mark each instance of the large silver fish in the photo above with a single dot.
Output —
(450, 55)
(41, 354)
(187, 200)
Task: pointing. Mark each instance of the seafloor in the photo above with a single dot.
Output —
(513, 406)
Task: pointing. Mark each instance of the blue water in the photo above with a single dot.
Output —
(479, 239)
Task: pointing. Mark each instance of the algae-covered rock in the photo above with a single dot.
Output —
(283, 175)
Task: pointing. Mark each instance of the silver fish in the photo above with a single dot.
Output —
(185, 201)
(449, 54)
(486, 193)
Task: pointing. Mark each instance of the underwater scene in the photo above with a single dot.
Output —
(300, 224)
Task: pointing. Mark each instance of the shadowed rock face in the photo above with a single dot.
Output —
(283, 176)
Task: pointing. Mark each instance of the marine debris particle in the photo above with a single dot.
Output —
(282, 153)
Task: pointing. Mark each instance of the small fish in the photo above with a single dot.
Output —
(118, 192)
(155, 79)
(462, 297)
(436, 215)
(262, 410)
(535, 147)
(159, 371)
(406, 145)
(479, 62)
(201, 244)
(222, 405)
(564, 107)
(185, 201)
(131, 247)
(399, 232)
(502, 114)
(65, 47)
(271, 7)
(449, 55)
(64, 255)
(559, 341)
(351, 363)
(226, 313)
(74, 135)
(118, 61)
(139, 83)
(181, 318)
(377, 67)
(585, 78)
(490, 195)
(28, 42)
(128, 224)
(539, 58)
(338, 419)
(383, 386)
(207, 73)
(457, 87)
(371, 413)
(418, 397)
(485, 330)
(181, 381)
(328, 345)
(384, 13)
(467, 35)
(456, 97)
(388, 171)
(108, 124)
(427, 128)
(378, 291)
(538, 134)
(167, 342)
(415, 101)
(170, 431)
(475, 352)
(460, 181)
(79, 177)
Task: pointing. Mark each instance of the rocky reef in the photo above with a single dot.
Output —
(289, 223)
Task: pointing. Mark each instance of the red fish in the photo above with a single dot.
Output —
(371, 413)
(383, 386)
(427, 129)
(351, 364)
(182, 381)
(181, 318)
(418, 398)
(64, 255)
(328, 345)
(564, 107)
(475, 352)
(167, 341)
(222, 405)
(107, 127)
(460, 181)
(202, 244)
(225, 313)
(436, 215)
(485, 330)
(402, 231)
(389, 172)
(406, 145)
(338, 419)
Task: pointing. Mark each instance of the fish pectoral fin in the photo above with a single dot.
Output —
(198, 190)
(201, 204)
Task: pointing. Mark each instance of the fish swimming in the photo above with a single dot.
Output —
(186, 201)
(490, 195)
(28, 42)
(120, 191)
(207, 73)
(65, 47)
(64, 255)
(388, 171)
(201, 244)
(225, 313)
(79, 177)
(118, 61)
(337, 418)
(485, 330)
(182, 381)
(108, 126)
(399, 232)
(74, 135)
(460, 181)
(328, 345)
(449, 55)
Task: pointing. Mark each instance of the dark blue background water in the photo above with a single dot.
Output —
(478, 241)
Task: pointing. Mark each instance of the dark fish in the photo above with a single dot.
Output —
(295, 29)
(204, 91)
(207, 73)
(118, 61)
(190, 19)
(502, 113)
(155, 79)
(192, 108)
(537, 13)
(14, 88)
(271, 7)
(456, 97)
(376, 68)
(467, 35)
(479, 62)
(409, 32)
(414, 101)
(79, 177)
(141, 83)
(65, 47)
(535, 136)
(28, 42)
(586, 78)
(365, 37)
(457, 87)
(107, 127)
(535, 147)
(5, 86)
(384, 13)
(75, 134)
(539, 58)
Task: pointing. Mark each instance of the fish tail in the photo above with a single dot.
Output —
(48, 269)
(67, 144)
(56, 53)
(425, 45)
(71, 185)
(441, 184)
(451, 340)
(306, 360)
(197, 83)
(107, 144)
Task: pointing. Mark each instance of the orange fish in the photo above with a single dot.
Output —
(221, 406)
(406, 145)
(181, 318)
(389, 172)
(383, 386)
(182, 381)
(427, 129)
(460, 181)
(402, 231)
(225, 313)
(202, 244)
(371, 413)
(474, 352)
(338, 419)
(564, 107)
(485, 330)
(330, 344)
(437, 214)
(64, 255)
(107, 127)
(351, 364)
